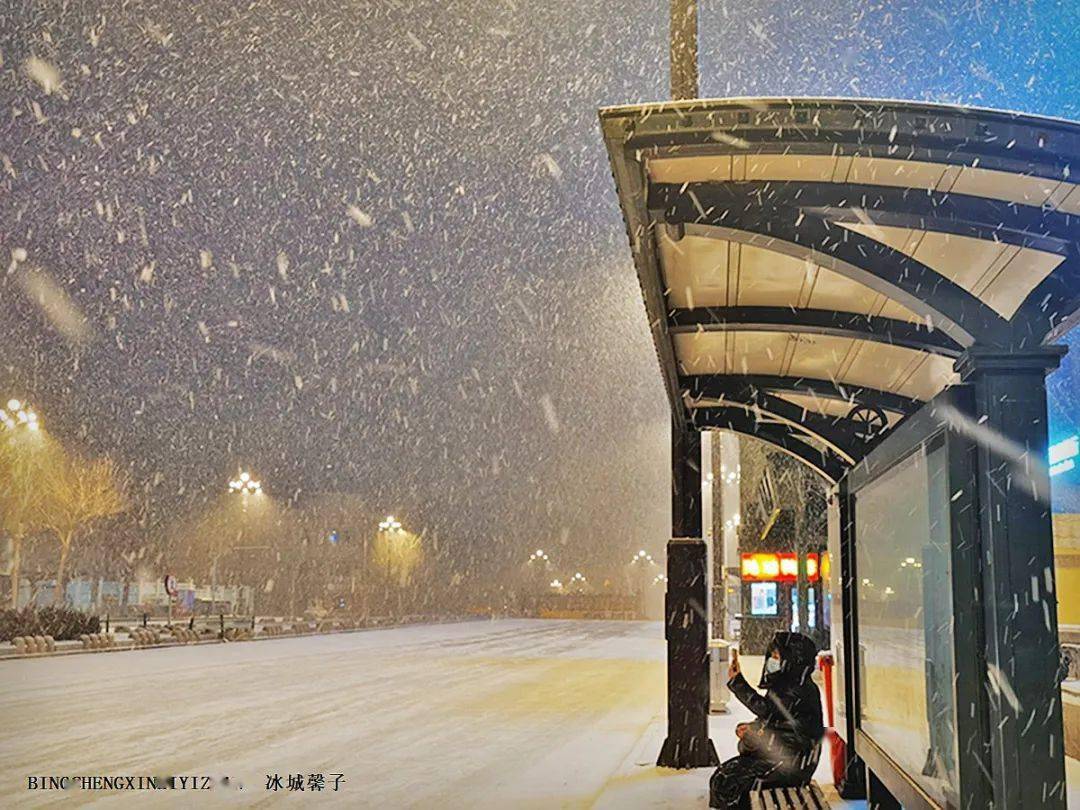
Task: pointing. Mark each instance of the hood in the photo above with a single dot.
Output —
(798, 657)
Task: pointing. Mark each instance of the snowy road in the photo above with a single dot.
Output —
(521, 713)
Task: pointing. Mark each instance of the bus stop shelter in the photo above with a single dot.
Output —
(874, 287)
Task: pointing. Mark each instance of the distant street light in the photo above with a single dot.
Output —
(641, 557)
(538, 556)
(245, 485)
(390, 524)
(17, 415)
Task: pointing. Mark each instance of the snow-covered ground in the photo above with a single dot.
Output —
(512, 713)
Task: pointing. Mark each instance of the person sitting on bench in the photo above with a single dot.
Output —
(781, 747)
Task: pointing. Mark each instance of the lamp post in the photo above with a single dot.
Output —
(246, 487)
(388, 527)
(540, 563)
(639, 568)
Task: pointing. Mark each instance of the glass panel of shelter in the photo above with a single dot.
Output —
(905, 614)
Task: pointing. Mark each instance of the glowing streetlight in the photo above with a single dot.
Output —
(17, 415)
(390, 524)
(539, 556)
(245, 485)
(641, 557)
(556, 584)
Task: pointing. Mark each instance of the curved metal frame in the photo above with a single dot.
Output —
(801, 235)
(814, 321)
(805, 219)
(781, 436)
(703, 386)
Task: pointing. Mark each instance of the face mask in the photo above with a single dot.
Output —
(772, 666)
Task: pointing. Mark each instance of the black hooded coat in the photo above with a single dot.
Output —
(782, 745)
(789, 714)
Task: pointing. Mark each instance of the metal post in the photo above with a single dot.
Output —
(686, 622)
(1027, 762)
(213, 586)
(684, 49)
(853, 785)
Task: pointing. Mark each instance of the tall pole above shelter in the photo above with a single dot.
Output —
(684, 49)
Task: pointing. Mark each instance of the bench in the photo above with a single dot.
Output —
(808, 797)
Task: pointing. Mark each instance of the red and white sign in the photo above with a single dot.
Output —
(170, 585)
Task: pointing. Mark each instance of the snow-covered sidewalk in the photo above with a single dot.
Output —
(522, 713)
(510, 713)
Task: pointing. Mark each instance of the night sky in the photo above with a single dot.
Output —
(375, 247)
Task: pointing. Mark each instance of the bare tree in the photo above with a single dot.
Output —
(25, 457)
(78, 491)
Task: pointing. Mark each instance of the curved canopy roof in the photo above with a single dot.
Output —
(812, 268)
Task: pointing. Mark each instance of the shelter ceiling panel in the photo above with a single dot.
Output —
(1016, 187)
(849, 361)
(1071, 203)
(732, 352)
(905, 371)
(703, 271)
(827, 406)
(900, 370)
(695, 270)
(974, 264)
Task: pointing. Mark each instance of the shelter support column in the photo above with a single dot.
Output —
(1026, 744)
(854, 784)
(686, 621)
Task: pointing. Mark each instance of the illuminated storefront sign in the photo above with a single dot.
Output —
(768, 567)
(1063, 455)
(760, 567)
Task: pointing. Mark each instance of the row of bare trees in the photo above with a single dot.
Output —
(297, 555)
(51, 491)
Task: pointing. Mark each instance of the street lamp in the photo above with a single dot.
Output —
(390, 525)
(538, 556)
(18, 415)
(243, 485)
